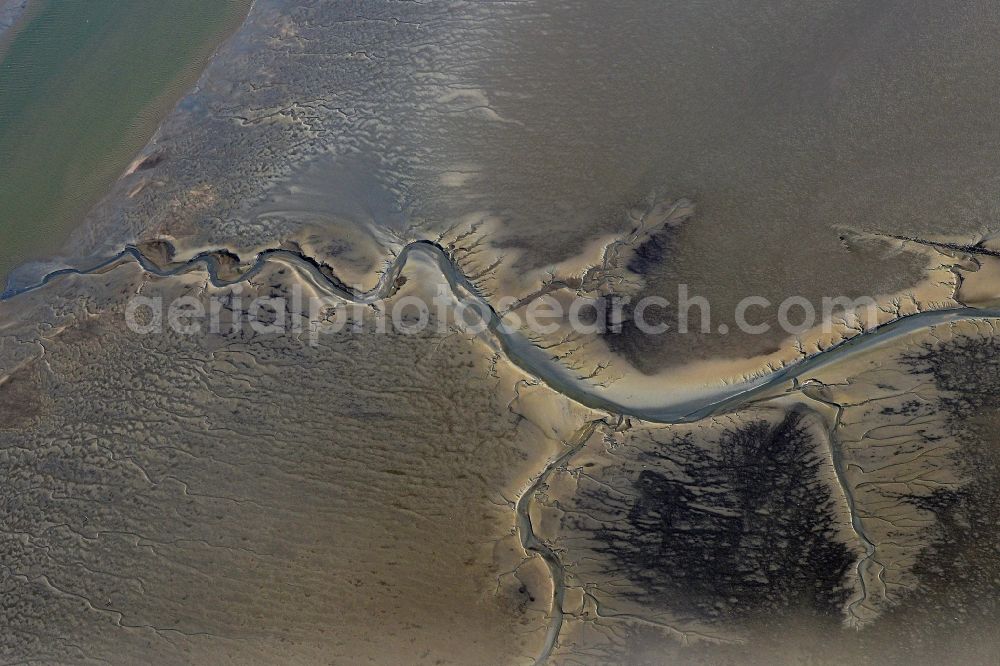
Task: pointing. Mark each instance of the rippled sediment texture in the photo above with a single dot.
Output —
(487, 499)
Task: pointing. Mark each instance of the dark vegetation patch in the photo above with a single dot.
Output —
(741, 529)
(959, 571)
(653, 251)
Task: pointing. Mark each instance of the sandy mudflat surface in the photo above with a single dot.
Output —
(516, 497)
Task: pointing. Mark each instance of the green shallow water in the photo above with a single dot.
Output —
(83, 85)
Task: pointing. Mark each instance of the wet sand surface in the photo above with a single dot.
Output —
(246, 498)
(785, 124)
(517, 498)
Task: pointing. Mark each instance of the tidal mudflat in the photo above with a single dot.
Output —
(407, 488)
